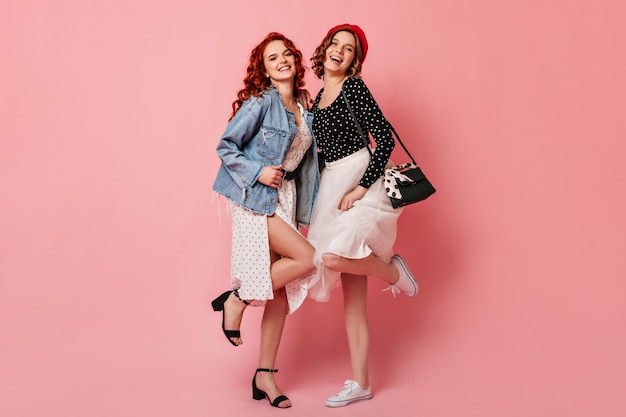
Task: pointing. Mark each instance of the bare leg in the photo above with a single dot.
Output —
(272, 326)
(357, 330)
(292, 257)
(372, 265)
(296, 253)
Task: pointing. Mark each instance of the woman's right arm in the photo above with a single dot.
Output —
(241, 129)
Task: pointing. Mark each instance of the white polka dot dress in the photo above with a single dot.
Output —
(250, 256)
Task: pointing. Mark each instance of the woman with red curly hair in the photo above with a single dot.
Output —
(269, 173)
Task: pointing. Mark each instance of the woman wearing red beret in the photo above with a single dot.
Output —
(353, 228)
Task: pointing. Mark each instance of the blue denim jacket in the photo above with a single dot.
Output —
(260, 135)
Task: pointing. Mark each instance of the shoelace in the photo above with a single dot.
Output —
(394, 290)
(348, 388)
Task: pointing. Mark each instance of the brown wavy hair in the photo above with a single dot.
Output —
(256, 81)
(319, 55)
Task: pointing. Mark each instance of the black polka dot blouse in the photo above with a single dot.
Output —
(337, 135)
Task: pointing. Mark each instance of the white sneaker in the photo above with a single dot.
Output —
(406, 282)
(352, 392)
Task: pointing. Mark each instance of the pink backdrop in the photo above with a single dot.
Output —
(112, 244)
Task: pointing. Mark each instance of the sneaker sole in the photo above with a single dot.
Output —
(409, 274)
(347, 402)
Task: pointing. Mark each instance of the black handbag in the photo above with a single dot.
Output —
(405, 183)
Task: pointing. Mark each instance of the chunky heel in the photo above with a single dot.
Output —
(258, 394)
(218, 303)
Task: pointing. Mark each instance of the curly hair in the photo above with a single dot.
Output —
(256, 82)
(319, 55)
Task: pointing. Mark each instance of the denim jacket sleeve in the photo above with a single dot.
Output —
(259, 135)
(239, 131)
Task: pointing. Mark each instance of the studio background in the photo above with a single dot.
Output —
(112, 244)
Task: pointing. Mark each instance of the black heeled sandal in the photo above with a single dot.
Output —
(218, 305)
(258, 394)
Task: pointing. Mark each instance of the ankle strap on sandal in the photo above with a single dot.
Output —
(237, 295)
(267, 370)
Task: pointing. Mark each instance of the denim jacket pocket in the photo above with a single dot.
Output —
(272, 143)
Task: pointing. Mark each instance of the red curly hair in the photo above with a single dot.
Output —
(256, 81)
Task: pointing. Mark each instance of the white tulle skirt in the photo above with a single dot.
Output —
(368, 227)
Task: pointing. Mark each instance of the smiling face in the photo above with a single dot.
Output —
(340, 53)
(279, 62)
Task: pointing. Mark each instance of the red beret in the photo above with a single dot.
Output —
(357, 31)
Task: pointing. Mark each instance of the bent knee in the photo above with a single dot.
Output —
(332, 261)
(308, 266)
(307, 261)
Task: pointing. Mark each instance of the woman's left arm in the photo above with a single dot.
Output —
(372, 120)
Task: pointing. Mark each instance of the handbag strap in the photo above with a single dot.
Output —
(364, 137)
(356, 122)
